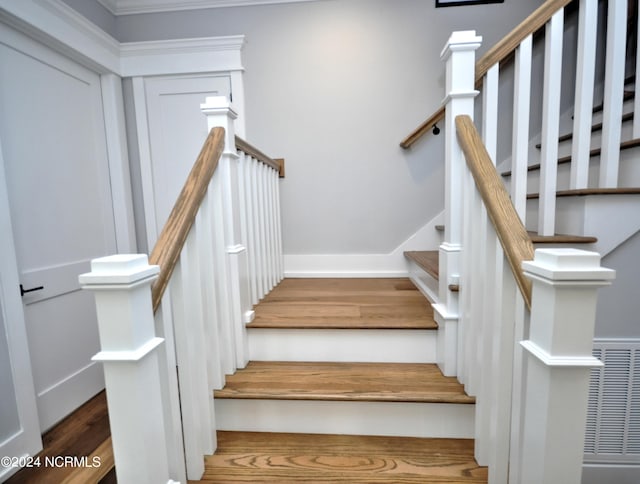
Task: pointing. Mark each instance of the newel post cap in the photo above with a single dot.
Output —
(568, 265)
(119, 270)
(462, 40)
(218, 105)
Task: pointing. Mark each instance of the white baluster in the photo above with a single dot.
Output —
(521, 115)
(251, 247)
(502, 368)
(279, 231)
(559, 353)
(129, 353)
(257, 241)
(613, 94)
(264, 247)
(211, 315)
(270, 239)
(550, 123)
(196, 401)
(585, 73)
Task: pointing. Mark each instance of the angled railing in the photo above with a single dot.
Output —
(524, 354)
(219, 252)
(499, 53)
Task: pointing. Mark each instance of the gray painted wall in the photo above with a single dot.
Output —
(95, 12)
(333, 86)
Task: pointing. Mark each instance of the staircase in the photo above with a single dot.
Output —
(345, 367)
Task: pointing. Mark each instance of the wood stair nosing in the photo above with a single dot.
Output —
(354, 382)
(632, 143)
(583, 192)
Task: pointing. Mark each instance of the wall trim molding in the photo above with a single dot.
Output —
(128, 7)
(166, 57)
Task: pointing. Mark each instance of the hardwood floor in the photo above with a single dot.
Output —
(392, 303)
(381, 382)
(283, 458)
(79, 435)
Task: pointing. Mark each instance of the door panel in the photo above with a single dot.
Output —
(53, 141)
(177, 130)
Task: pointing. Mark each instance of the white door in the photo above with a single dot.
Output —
(177, 130)
(53, 144)
(19, 427)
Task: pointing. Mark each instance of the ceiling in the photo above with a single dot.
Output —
(126, 7)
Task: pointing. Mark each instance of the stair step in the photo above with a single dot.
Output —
(595, 152)
(628, 95)
(408, 400)
(370, 382)
(583, 192)
(596, 127)
(428, 260)
(354, 459)
(342, 303)
(561, 239)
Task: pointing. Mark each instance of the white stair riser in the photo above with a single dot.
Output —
(343, 345)
(436, 420)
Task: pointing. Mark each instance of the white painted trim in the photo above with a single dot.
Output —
(166, 57)
(436, 420)
(129, 356)
(62, 28)
(128, 7)
(393, 264)
(560, 361)
(14, 325)
(118, 156)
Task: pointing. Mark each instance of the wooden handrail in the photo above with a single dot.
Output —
(513, 236)
(498, 53)
(250, 150)
(174, 233)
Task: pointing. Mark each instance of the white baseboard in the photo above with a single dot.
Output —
(343, 345)
(610, 473)
(392, 264)
(64, 397)
(435, 420)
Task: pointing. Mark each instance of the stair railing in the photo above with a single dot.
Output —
(499, 53)
(535, 196)
(521, 332)
(167, 345)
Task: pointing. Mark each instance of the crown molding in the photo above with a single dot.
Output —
(128, 7)
(163, 57)
(56, 24)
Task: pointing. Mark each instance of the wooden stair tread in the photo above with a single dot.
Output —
(344, 303)
(428, 260)
(363, 382)
(561, 239)
(632, 143)
(596, 127)
(278, 457)
(583, 192)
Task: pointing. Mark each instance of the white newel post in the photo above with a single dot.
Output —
(220, 113)
(459, 55)
(565, 283)
(122, 287)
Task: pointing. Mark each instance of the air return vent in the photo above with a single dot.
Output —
(613, 418)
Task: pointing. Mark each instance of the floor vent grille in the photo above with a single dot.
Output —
(613, 418)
